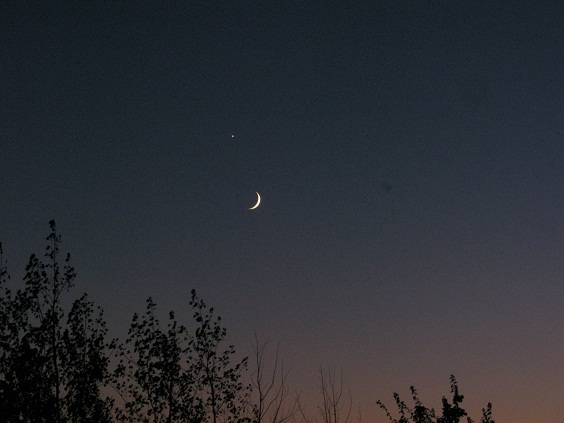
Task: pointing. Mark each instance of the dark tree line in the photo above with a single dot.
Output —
(58, 365)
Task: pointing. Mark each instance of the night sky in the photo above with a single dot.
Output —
(409, 156)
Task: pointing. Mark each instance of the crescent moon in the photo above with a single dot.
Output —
(258, 202)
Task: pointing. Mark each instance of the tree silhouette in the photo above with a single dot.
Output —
(223, 394)
(174, 376)
(336, 404)
(52, 368)
(55, 361)
(9, 400)
(150, 377)
(452, 413)
(270, 390)
(86, 363)
(333, 401)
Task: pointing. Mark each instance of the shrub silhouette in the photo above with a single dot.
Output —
(451, 412)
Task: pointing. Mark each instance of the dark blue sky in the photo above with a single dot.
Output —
(117, 121)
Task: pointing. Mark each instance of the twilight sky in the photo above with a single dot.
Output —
(409, 156)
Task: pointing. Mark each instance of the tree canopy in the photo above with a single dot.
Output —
(57, 364)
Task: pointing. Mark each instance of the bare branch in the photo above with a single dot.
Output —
(335, 408)
(271, 388)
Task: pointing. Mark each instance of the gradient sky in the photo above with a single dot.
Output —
(117, 122)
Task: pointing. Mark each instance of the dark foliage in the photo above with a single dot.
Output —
(170, 375)
(153, 377)
(451, 413)
(53, 362)
(56, 363)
